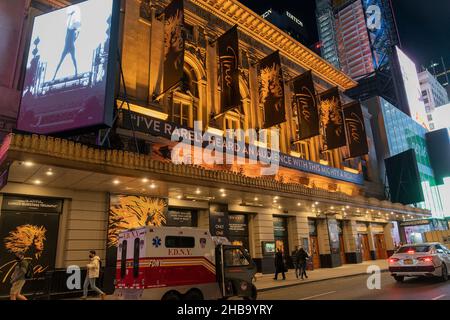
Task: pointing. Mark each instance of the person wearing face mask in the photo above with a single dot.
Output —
(93, 272)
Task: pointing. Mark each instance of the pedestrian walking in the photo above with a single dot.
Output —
(295, 261)
(93, 273)
(279, 265)
(18, 278)
(302, 257)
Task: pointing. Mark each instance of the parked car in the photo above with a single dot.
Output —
(416, 260)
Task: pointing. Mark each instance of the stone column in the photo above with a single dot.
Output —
(137, 52)
(262, 230)
(350, 234)
(254, 97)
(212, 81)
(156, 56)
(202, 105)
(298, 230)
(324, 243)
(388, 239)
(203, 219)
(372, 246)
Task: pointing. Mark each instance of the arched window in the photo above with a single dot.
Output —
(185, 100)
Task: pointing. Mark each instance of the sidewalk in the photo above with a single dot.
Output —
(265, 282)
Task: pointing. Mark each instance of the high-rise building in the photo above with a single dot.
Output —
(327, 32)
(357, 35)
(433, 93)
(354, 48)
(395, 132)
(440, 118)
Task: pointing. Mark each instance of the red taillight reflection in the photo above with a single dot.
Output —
(425, 259)
(411, 251)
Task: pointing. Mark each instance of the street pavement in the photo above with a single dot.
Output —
(266, 282)
(355, 288)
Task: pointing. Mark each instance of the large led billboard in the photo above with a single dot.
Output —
(69, 79)
(411, 86)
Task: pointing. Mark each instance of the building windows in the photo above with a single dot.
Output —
(181, 113)
(233, 121)
(184, 107)
(326, 158)
(301, 149)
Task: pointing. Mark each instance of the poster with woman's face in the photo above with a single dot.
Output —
(33, 235)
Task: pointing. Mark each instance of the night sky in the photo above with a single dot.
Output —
(424, 26)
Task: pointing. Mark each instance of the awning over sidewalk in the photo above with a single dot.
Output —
(67, 154)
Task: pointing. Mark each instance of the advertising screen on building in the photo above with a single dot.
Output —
(412, 89)
(28, 226)
(69, 79)
(438, 146)
(404, 179)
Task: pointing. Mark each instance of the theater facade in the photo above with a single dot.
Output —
(77, 195)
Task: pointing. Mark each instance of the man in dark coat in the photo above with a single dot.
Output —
(302, 256)
(279, 265)
(295, 261)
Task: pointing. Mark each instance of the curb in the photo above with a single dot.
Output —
(317, 280)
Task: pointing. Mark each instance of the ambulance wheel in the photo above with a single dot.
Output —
(193, 294)
(253, 294)
(171, 296)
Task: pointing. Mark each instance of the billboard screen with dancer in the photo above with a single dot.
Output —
(69, 80)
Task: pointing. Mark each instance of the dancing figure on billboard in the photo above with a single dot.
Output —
(72, 33)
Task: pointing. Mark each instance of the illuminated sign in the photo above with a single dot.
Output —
(267, 13)
(157, 127)
(293, 18)
(412, 88)
(69, 79)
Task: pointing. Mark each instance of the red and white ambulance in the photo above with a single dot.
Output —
(172, 263)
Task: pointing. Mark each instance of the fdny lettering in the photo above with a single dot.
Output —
(131, 234)
(180, 252)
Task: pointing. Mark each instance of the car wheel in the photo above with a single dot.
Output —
(171, 296)
(193, 294)
(444, 276)
(399, 278)
(254, 294)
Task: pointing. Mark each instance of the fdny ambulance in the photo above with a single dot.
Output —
(171, 263)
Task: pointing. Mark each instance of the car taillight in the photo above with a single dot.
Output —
(425, 259)
(392, 260)
(411, 252)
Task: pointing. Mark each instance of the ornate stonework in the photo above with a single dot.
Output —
(115, 161)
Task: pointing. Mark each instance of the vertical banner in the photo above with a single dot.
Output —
(228, 44)
(218, 220)
(271, 90)
(28, 226)
(173, 44)
(355, 130)
(304, 101)
(331, 120)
